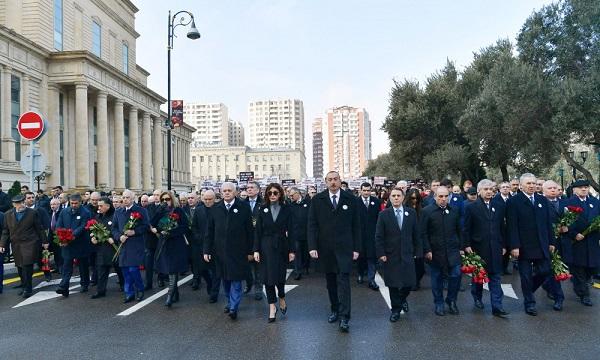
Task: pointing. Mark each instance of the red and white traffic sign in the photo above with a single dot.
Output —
(30, 125)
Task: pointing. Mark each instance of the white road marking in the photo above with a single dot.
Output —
(287, 287)
(74, 279)
(507, 289)
(150, 299)
(385, 292)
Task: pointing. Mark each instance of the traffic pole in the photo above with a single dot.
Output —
(31, 174)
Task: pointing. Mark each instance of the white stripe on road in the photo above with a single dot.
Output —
(507, 289)
(149, 300)
(385, 292)
(31, 125)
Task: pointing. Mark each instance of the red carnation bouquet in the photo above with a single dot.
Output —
(166, 224)
(98, 231)
(63, 236)
(560, 270)
(474, 264)
(568, 218)
(134, 217)
(594, 226)
(46, 260)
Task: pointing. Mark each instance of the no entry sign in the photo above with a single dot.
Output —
(30, 125)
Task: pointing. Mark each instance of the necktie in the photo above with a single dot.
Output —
(488, 205)
(399, 218)
(252, 203)
(334, 201)
(367, 203)
(53, 222)
(192, 211)
(532, 199)
(228, 206)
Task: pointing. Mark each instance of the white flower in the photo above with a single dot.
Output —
(406, 213)
(78, 217)
(446, 211)
(494, 210)
(591, 206)
(345, 207)
(235, 210)
(110, 223)
(305, 205)
(372, 203)
(540, 206)
(266, 210)
(454, 199)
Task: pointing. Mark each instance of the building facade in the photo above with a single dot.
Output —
(236, 133)
(211, 121)
(75, 64)
(317, 143)
(275, 124)
(220, 163)
(346, 133)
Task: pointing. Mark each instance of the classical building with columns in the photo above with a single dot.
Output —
(74, 63)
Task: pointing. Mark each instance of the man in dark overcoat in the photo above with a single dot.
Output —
(299, 207)
(368, 208)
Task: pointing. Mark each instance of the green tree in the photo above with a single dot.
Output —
(15, 189)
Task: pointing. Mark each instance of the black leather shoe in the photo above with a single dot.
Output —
(405, 307)
(395, 316)
(587, 301)
(439, 310)
(373, 286)
(333, 317)
(233, 315)
(558, 305)
(452, 308)
(359, 279)
(160, 283)
(478, 303)
(499, 313)
(83, 289)
(226, 310)
(63, 292)
(139, 296)
(128, 299)
(531, 311)
(98, 295)
(26, 294)
(344, 326)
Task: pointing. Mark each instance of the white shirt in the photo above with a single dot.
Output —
(128, 208)
(230, 204)
(337, 197)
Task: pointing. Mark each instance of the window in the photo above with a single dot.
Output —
(125, 59)
(193, 159)
(96, 39)
(58, 25)
(15, 112)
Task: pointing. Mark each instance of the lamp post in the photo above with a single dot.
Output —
(192, 34)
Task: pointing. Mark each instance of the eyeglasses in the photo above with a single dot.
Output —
(273, 193)
(413, 198)
(165, 199)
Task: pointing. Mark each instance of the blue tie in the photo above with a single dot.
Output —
(399, 218)
(334, 201)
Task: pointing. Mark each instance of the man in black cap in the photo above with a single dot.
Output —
(23, 229)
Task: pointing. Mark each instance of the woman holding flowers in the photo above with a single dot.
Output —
(104, 244)
(170, 225)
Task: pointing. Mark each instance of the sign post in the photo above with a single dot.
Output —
(31, 126)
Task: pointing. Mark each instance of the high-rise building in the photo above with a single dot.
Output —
(236, 133)
(346, 141)
(276, 124)
(317, 131)
(211, 121)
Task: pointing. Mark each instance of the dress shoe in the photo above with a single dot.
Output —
(531, 311)
(160, 283)
(83, 289)
(26, 294)
(128, 299)
(226, 309)
(499, 313)
(452, 308)
(395, 316)
(258, 296)
(587, 301)
(247, 289)
(139, 296)
(298, 275)
(63, 292)
(233, 315)
(478, 303)
(359, 279)
(333, 317)
(373, 286)
(98, 295)
(439, 310)
(558, 305)
(405, 307)
(344, 326)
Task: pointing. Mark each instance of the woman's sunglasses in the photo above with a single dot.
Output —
(273, 193)
(165, 199)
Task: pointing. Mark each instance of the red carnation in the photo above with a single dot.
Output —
(575, 209)
(90, 223)
(174, 216)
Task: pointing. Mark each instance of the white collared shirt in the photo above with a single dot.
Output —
(230, 203)
(337, 196)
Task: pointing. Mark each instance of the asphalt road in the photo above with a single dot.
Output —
(81, 328)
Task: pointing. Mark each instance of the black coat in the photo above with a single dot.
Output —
(485, 232)
(76, 221)
(271, 241)
(334, 233)
(368, 221)
(198, 231)
(151, 239)
(105, 251)
(172, 250)
(441, 234)
(399, 247)
(585, 253)
(529, 226)
(230, 239)
(299, 221)
(5, 203)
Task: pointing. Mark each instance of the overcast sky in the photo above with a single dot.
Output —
(324, 52)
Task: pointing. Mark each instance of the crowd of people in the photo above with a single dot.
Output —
(239, 240)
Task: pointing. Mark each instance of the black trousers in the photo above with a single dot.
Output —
(92, 262)
(270, 290)
(26, 275)
(253, 278)
(215, 286)
(419, 269)
(103, 271)
(398, 297)
(361, 266)
(302, 260)
(581, 278)
(338, 288)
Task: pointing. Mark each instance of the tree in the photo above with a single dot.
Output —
(15, 189)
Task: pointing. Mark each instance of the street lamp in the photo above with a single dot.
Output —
(192, 34)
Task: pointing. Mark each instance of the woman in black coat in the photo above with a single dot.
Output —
(105, 251)
(172, 249)
(414, 201)
(273, 249)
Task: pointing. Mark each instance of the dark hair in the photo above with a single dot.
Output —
(58, 187)
(418, 205)
(75, 197)
(276, 186)
(28, 193)
(344, 183)
(447, 183)
(106, 200)
(365, 184)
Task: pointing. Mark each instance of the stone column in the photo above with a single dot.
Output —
(53, 136)
(103, 141)
(158, 153)
(8, 143)
(82, 140)
(134, 150)
(119, 146)
(146, 152)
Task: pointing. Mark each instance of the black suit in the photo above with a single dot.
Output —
(196, 237)
(253, 275)
(298, 234)
(368, 219)
(335, 234)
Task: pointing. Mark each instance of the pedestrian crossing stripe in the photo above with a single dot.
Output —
(14, 280)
